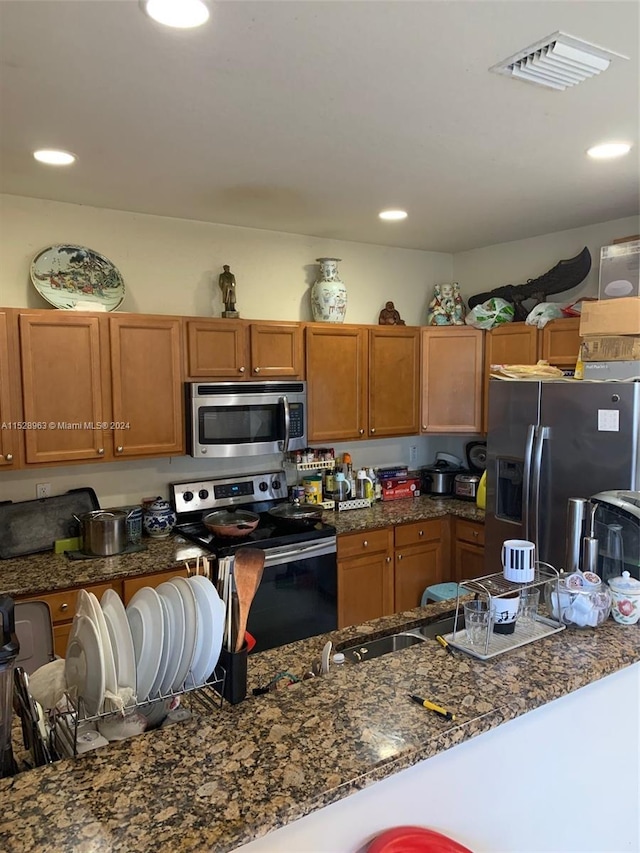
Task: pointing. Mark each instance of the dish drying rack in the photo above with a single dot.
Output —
(497, 586)
(65, 724)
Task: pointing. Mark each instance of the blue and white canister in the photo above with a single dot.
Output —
(159, 519)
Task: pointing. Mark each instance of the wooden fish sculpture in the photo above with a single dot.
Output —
(565, 275)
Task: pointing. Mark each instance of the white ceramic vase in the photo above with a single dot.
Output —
(328, 293)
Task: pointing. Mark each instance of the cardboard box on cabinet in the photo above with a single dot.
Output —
(611, 317)
(620, 270)
(610, 348)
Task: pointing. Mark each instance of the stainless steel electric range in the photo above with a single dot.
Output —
(297, 597)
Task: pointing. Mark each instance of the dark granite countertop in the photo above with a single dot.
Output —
(47, 572)
(217, 781)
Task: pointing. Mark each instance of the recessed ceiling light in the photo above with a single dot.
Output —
(609, 149)
(53, 157)
(182, 14)
(393, 215)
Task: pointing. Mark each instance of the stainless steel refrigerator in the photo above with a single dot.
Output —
(548, 442)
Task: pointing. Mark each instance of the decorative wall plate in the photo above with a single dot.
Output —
(67, 275)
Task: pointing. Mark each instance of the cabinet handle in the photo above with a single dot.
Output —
(101, 451)
(373, 431)
(421, 533)
(9, 457)
(399, 556)
(241, 370)
(475, 533)
(119, 448)
(388, 559)
(424, 427)
(64, 606)
(361, 431)
(256, 370)
(365, 544)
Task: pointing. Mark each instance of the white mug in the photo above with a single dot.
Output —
(505, 613)
(518, 560)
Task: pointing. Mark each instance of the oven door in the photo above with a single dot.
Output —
(297, 597)
(228, 420)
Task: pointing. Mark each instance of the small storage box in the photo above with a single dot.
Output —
(611, 317)
(620, 270)
(404, 487)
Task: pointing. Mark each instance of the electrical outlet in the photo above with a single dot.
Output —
(43, 490)
(413, 456)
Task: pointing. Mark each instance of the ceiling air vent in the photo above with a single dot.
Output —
(557, 61)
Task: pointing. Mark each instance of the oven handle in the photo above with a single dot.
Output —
(288, 554)
(284, 445)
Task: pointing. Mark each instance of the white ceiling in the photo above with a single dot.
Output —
(310, 117)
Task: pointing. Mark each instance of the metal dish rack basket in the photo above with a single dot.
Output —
(494, 586)
(65, 724)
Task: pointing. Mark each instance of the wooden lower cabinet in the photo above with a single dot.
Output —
(385, 571)
(421, 549)
(365, 576)
(62, 603)
(468, 556)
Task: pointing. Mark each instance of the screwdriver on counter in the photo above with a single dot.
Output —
(432, 707)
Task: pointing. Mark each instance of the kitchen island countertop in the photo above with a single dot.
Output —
(216, 782)
(47, 572)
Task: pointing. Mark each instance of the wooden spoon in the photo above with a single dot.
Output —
(247, 570)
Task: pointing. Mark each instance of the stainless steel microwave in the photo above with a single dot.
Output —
(228, 419)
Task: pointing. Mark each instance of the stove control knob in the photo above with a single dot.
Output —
(187, 496)
(203, 494)
(275, 485)
(263, 486)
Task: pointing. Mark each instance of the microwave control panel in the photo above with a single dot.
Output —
(296, 420)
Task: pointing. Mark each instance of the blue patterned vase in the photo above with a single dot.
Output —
(159, 519)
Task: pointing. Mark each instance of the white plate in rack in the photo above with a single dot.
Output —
(84, 664)
(190, 648)
(146, 620)
(175, 616)
(212, 609)
(121, 641)
(167, 640)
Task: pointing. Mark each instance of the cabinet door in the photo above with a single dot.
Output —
(416, 568)
(337, 382)
(9, 413)
(62, 387)
(510, 343)
(394, 369)
(146, 381)
(452, 379)
(469, 561)
(365, 588)
(217, 349)
(276, 350)
(560, 342)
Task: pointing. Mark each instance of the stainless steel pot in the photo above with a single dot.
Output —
(465, 486)
(104, 532)
(437, 479)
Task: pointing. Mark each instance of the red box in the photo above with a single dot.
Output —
(405, 487)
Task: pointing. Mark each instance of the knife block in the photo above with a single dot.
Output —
(235, 665)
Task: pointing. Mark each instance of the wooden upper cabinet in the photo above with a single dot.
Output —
(10, 413)
(337, 382)
(62, 387)
(237, 349)
(394, 369)
(276, 350)
(452, 379)
(217, 349)
(146, 381)
(560, 342)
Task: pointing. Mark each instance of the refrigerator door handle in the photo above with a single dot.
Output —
(526, 481)
(541, 434)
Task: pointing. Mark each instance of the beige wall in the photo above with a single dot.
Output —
(171, 266)
(513, 263)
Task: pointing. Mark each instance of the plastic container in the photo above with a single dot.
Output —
(581, 606)
(481, 495)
